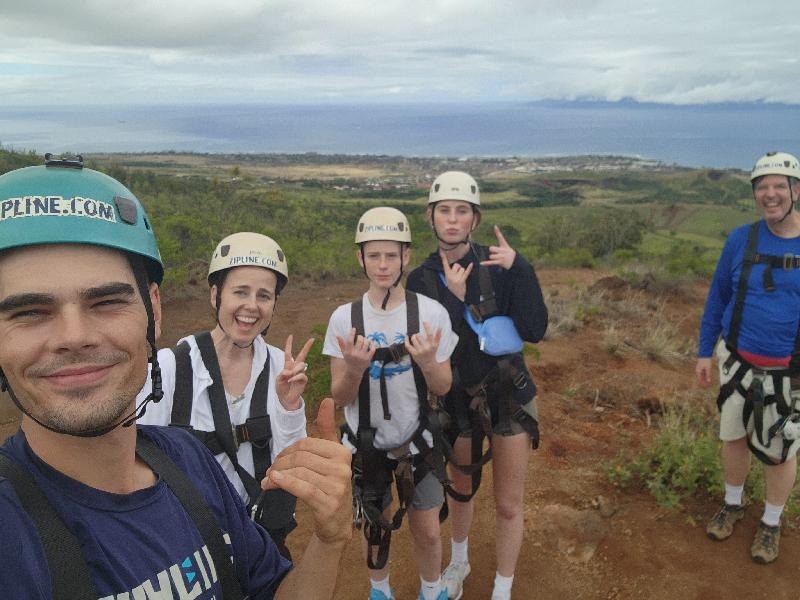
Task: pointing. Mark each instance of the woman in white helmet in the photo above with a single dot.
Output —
(483, 287)
(389, 349)
(752, 315)
(239, 395)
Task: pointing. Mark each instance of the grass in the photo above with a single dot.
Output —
(319, 371)
(682, 460)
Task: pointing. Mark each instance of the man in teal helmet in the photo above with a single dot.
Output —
(99, 508)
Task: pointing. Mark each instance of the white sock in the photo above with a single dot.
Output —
(772, 514)
(733, 494)
(502, 587)
(430, 589)
(382, 586)
(458, 551)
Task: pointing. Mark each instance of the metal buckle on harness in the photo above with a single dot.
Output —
(788, 427)
(358, 512)
(520, 381)
(235, 437)
(790, 261)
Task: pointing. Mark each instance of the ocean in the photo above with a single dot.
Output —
(717, 135)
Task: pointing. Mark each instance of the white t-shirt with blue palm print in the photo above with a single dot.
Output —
(387, 328)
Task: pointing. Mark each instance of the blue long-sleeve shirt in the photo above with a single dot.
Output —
(769, 319)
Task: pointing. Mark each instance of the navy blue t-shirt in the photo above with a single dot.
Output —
(138, 546)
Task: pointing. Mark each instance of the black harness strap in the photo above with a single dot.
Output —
(273, 509)
(372, 467)
(741, 291)
(755, 400)
(182, 398)
(197, 510)
(69, 573)
(487, 306)
(225, 438)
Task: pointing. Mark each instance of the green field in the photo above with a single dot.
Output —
(310, 204)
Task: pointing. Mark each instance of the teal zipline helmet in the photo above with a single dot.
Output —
(64, 203)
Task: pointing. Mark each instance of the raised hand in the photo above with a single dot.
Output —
(456, 277)
(317, 471)
(357, 352)
(292, 380)
(422, 348)
(501, 255)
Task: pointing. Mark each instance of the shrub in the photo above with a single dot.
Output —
(571, 257)
(683, 459)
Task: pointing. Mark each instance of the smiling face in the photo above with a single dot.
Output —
(73, 330)
(247, 302)
(453, 220)
(773, 196)
(382, 261)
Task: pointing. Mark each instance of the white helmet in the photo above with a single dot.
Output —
(383, 223)
(776, 163)
(455, 185)
(245, 249)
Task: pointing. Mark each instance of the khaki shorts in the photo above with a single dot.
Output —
(731, 425)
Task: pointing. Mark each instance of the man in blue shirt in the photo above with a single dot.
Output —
(754, 304)
(79, 315)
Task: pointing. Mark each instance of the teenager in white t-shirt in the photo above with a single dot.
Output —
(384, 241)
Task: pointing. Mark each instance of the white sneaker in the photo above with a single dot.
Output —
(453, 579)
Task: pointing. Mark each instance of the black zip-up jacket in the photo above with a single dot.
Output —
(518, 296)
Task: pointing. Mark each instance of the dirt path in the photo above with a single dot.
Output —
(583, 539)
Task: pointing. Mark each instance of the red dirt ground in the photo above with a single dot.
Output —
(584, 539)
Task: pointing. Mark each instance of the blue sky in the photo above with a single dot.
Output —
(315, 51)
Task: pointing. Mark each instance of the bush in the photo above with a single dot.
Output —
(683, 459)
(570, 257)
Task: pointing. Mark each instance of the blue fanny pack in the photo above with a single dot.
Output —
(496, 335)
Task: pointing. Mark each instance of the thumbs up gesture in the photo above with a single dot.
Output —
(317, 471)
(501, 255)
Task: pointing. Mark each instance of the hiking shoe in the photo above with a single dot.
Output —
(765, 545)
(453, 579)
(375, 594)
(721, 525)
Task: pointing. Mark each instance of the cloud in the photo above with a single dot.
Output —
(414, 50)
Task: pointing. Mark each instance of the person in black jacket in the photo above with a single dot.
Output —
(490, 393)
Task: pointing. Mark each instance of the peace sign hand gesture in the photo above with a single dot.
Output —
(456, 277)
(501, 255)
(292, 380)
(423, 348)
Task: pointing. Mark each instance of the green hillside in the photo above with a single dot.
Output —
(677, 218)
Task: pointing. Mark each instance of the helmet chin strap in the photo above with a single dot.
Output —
(791, 201)
(156, 392)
